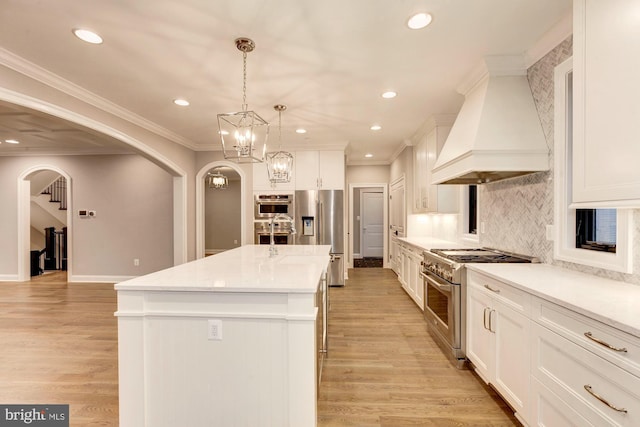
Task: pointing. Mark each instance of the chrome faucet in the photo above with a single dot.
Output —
(273, 250)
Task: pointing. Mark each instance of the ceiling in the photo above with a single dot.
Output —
(329, 61)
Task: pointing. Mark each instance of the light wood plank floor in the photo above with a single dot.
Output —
(59, 345)
(385, 370)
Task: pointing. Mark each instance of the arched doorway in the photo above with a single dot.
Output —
(238, 182)
(24, 218)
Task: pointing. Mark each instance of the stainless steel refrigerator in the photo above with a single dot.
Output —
(319, 217)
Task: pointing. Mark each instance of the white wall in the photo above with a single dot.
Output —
(133, 199)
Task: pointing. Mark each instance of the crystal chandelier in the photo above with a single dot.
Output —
(243, 134)
(279, 163)
(217, 181)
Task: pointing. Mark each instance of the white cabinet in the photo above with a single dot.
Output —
(587, 366)
(429, 197)
(261, 179)
(409, 275)
(498, 338)
(606, 107)
(319, 170)
(394, 254)
(397, 216)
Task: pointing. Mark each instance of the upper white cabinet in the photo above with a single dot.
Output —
(606, 108)
(319, 170)
(261, 179)
(429, 197)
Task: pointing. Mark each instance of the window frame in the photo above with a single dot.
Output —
(464, 202)
(565, 216)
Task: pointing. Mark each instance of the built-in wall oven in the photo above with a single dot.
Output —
(444, 279)
(281, 233)
(269, 205)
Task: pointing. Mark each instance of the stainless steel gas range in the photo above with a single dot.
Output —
(444, 278)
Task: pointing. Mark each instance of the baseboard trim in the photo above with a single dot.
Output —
(76, 278)
(8, 277)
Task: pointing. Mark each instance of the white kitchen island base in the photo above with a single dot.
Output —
(228, 340)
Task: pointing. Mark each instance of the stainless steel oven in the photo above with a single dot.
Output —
(269, 205)
(444, 278)
(442, 308)
(281, 233)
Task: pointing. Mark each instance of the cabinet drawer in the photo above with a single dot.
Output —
(512, 297)
(549, 410)
(567, 369)
(576, 327)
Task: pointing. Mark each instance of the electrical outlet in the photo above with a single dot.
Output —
(136, 262)
(235, 242)
(550, 232)
(215, 329)
(482, 228)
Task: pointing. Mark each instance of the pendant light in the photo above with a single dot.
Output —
(279, 163)
(217, 181)
(243, 134)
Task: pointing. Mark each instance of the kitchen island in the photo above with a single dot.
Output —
(226, 340)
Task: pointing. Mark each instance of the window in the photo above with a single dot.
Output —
(595, 237)
(472, 220)
(469, 202)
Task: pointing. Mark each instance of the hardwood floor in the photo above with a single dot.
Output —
(385, 370)
(59, 345)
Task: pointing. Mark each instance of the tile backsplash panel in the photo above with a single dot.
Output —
(515, 212)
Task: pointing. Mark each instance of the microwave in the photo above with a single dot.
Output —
(269, 205)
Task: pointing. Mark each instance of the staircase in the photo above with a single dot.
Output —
(57, 192)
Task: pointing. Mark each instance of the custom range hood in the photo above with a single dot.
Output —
(497, 133)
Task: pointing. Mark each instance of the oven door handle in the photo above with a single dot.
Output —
(443, 287)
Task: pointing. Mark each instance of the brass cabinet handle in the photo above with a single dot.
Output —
(605, 344)
(603, 400)
(497, 291)
(485, 317)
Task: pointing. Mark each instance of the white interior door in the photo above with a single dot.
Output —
(372, 208)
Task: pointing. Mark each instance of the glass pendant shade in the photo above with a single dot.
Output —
(217, 181)
(279, 163)
(244, 134)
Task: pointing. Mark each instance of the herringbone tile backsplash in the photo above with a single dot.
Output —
(515, 212)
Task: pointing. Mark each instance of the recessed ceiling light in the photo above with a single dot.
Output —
(181, 102)
(368, 155)
(87, 36)
(223, 132)
(301, 130)
(376, 127)
(12, 141)
(390, 94)
(419, 20)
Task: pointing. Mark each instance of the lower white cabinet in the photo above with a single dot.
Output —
(553, 366)
(498, 338)
(587, 375)
(394, 254)
(409, 275)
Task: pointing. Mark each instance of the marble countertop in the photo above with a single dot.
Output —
(296, 269)
(612, 302)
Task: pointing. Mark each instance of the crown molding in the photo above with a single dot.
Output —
(552, 38)
(35, 72)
